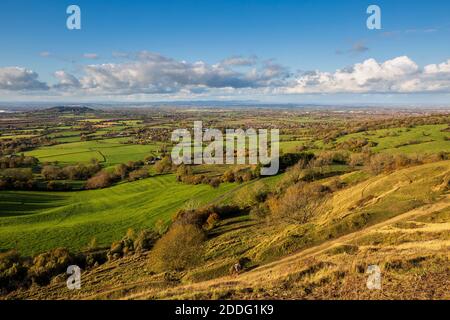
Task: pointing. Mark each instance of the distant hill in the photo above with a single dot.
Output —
(69, 109)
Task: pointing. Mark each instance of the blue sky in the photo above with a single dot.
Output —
(295, 36)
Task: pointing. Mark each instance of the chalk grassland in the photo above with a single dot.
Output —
(34, 222)
(387, 220)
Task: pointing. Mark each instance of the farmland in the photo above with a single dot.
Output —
(44, 220)
(101, 185)
(108, 151)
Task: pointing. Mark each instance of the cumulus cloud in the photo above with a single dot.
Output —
(150, 73)
(438, 68)
(398, 75)
(153, 73)
(66, 80)
(20, 79)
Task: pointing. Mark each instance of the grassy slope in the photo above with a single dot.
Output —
(321, 267)
(430, 136)
(38, 221)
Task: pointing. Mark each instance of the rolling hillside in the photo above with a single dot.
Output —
(34, 222)
(397, 221)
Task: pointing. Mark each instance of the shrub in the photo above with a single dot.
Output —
(145, 240)
(102, 179)
(52, 173)
(299, 202)
(139, 174)
(49, 264)
(212, 221)
(214, 182)
(358, 159)
(180, 248)
(228, 176)
(381, 162)
(183, 171)
(164, 165)
(259, 211)
(121, 170)
(13, 273)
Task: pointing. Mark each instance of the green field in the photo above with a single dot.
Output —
(109, 152)
(37, 221)
(426, 139)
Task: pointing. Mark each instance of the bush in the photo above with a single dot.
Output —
(13, 273)
(299, 202)
(20, 178)
(259, 211)
(215, 183)
(49, 264)
(139, 174)
(228, 176)
(359, 159)
(183, 171)
(52, 173)
(145, 240)
(212, 221)
(164, 165)
(102, 179)
(180, 248)
(132, 243)
(121, 171)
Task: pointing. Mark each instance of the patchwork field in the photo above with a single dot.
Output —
(348, 195)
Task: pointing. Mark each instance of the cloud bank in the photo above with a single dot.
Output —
(151, 73)
(20, 79)
(398, 75)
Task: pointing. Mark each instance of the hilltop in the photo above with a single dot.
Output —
(70, 109)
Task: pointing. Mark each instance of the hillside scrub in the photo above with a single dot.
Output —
(164, 165)
(298, 203)
(132, 243)
(251, 195)
(180, 248)
(72, 172)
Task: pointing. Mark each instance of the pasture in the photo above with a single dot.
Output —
(109, 152)
(34, 222)
(419, 139)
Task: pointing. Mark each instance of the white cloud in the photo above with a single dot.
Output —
(66, 80)
(438, 68)
(20, 79)
(152, 73)
(147, 73)
(399, 75)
